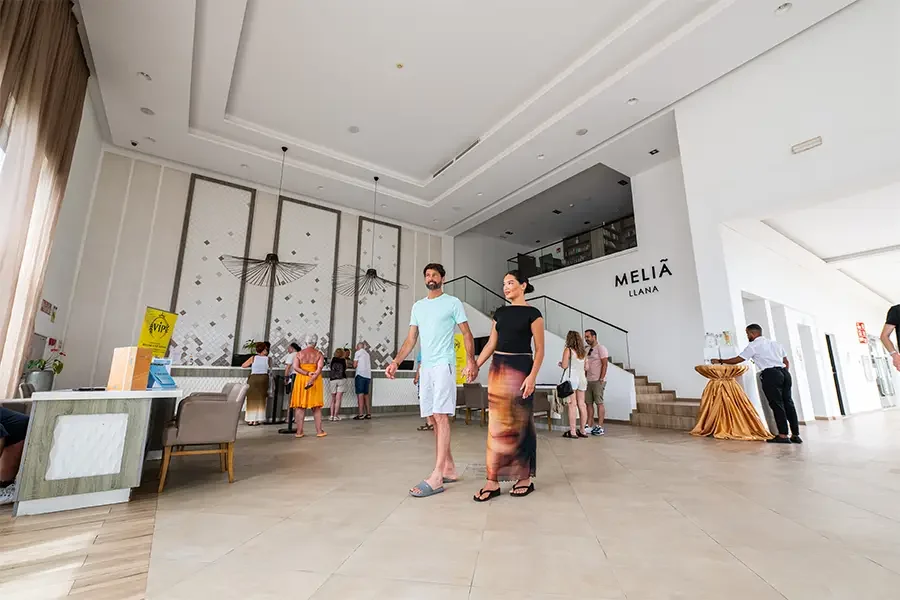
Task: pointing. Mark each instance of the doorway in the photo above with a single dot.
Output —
(813, 375)
(832, 355)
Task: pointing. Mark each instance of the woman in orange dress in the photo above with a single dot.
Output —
(308, 390)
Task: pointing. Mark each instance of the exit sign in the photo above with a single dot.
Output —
(861, 333)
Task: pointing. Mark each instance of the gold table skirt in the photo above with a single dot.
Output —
(725, 411)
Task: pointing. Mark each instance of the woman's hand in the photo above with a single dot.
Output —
(528, 386)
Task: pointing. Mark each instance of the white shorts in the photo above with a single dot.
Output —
(437, 390)
(579, 384)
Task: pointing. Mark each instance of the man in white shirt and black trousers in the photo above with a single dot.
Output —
(771, 360)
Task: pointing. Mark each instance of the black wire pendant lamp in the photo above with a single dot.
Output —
(352, 280)
(269, 271)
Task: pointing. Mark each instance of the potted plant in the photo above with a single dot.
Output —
(249, 349)
(40, 372)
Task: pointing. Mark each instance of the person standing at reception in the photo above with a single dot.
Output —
(512, 439)
(435, 317)
(595, 365)
(891, 324)
(308, 390)
(771, 360)
(362, 362)
(337, 383)
(259, 384)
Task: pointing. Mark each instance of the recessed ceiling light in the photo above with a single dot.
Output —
(783, 8)
(434, 220)
(540, 157)
(145, 76)
(587, 222)
(457, 208)
(623, 182)
(581, 132)
(150, 139)
(481, 193)
(353, 129)
(654, 151)
(557, 212)
(134, 143)
(245, 166)
(384, 206)
(399, 65)
(147, 111)
(508, 232)
(537, 241)
(571, 205)
(632, 101)
(321, 187)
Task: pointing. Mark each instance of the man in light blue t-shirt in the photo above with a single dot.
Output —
(433, 321)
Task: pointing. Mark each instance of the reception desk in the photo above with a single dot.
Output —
(85, 448)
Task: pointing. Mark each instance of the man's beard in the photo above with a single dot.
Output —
(433, 285)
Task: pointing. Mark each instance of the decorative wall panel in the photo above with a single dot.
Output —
(375, 319)
(207, 298)
(305, 233)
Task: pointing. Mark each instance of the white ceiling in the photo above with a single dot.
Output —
(859, 235)
(234, 80)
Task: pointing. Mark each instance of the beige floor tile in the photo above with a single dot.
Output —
(204, 537)
(164, 573)
(478, 593)
(224, 582)
(426, 554)
(341, 587)
(530, 562)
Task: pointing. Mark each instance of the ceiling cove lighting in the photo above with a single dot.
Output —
(787, 6)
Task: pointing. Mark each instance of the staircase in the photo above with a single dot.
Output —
(656, 407)
(661, 408)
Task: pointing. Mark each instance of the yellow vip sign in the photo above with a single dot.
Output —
(460, 349)
(156, 331)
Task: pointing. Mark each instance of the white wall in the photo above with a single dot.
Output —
(764, 263)
(60, 276)
(837, 80)
(665, 329)
(127, 258)
(483, 258)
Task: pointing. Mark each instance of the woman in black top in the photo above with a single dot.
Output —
(337, 382)
(512, 439)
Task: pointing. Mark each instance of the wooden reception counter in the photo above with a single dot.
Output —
(84, 448)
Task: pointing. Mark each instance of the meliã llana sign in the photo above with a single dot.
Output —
(643, 281)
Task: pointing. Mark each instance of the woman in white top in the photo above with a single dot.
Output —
(573, 363)
(259, 384)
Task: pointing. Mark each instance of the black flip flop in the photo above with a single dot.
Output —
(569, 435)
(491, 494)
(367, 417)
(581, 434)
(528, 489)
(425, 428)
(358, 418)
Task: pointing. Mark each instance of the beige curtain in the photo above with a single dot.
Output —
(43, 78)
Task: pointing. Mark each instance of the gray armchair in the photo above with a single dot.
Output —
(205, 419)
(25, 392)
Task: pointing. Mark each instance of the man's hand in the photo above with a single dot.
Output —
(416, 378)
(896, 360)
(471, 371)
(391, 370)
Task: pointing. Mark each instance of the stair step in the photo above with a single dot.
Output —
(677, 409)
(652, 388)
(641, 380)
(663, 421)
(657, 397)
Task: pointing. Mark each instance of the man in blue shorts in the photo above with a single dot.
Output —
(433, 321)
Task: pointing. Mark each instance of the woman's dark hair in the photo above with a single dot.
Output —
(295, 347)
(261, 347)
(521, 279)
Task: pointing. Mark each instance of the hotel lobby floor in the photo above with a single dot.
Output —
(639, 514)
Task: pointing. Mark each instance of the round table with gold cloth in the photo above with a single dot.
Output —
(725, 411)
